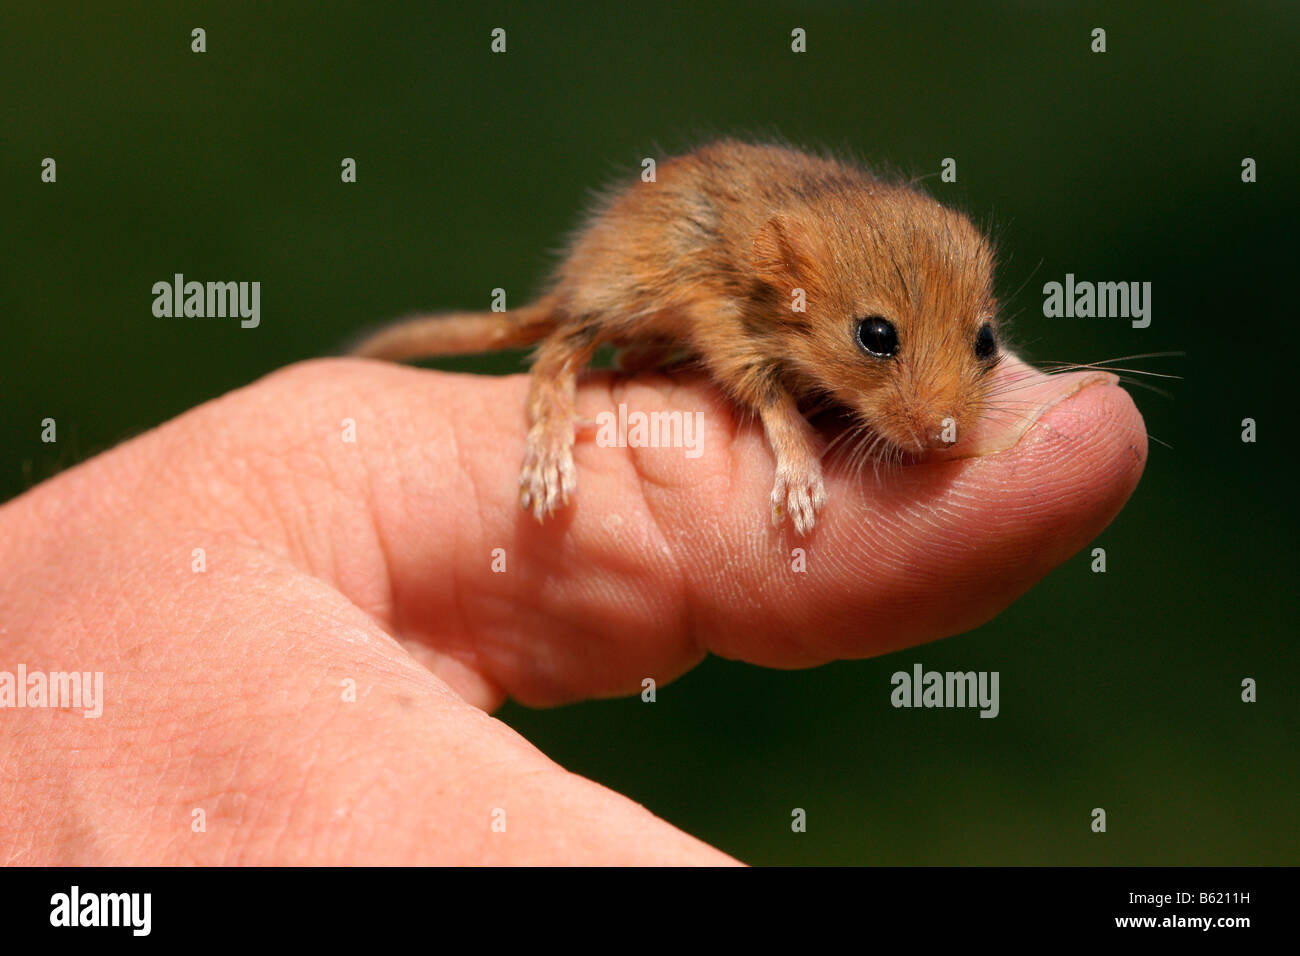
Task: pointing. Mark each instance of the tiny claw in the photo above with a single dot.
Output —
(547, 478)
(799, 493)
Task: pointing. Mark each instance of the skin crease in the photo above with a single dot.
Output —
(223, 687)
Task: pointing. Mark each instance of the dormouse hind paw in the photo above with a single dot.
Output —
(548, 476)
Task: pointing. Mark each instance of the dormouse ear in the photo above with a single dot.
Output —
(783, 252)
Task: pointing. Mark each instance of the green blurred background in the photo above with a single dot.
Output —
(1118, 690)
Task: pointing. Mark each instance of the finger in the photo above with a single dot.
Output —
(662, 556)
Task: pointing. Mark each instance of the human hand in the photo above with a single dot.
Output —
(226, 688)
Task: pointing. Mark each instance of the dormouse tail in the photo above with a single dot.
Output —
(460, 333)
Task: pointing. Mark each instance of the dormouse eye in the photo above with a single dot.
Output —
(878, 337)
(985, 342)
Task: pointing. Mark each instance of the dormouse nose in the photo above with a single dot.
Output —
(932, 431)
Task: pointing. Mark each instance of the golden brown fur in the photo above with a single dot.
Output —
(708, 259)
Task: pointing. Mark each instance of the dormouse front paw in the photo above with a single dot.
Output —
(799, 492)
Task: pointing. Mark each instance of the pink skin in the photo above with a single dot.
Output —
(223, 688)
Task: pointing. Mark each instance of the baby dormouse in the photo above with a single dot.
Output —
(788, 276)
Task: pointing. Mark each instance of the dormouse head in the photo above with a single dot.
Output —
(899, 320)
